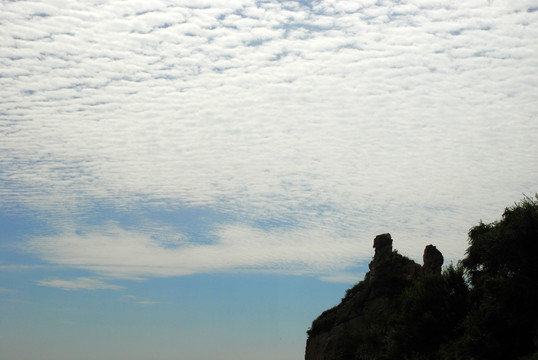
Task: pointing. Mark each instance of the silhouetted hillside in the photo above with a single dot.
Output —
(486, 307)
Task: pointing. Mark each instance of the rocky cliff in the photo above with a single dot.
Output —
(360, 326)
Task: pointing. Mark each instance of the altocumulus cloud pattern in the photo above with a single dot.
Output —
(297, 130)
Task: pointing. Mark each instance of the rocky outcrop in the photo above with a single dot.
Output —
(383, 251)
(366, 312)
(432, 259)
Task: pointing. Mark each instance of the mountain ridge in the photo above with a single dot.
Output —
(370, 301)
(483, 308)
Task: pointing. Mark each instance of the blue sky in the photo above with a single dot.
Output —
(201, 179)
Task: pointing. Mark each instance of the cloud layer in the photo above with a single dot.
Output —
(81, 283)
(128, 254)
(341, 119)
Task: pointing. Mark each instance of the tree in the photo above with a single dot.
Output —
(431, 316)
(502, 264)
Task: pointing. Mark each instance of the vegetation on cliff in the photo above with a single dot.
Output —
(485, 307)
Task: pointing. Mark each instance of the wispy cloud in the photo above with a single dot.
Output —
(147, 302)
(19, 267)
(348, 278)
(347, 118)
(81, 283)
(138, 300)
(127, 254)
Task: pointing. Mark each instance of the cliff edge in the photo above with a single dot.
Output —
(361, 326)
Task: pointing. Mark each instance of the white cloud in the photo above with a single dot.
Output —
(19, 267)
(147, 302)
(133, 255)
(139, 300)
(343, 278)
(396, 117)
(81, 283)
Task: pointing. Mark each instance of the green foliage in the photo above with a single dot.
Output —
(324, 322)
(502, 263)
(432, 310)
(423, 316)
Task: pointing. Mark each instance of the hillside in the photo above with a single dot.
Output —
(486, 307)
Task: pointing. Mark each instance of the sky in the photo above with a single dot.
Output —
(201, 179)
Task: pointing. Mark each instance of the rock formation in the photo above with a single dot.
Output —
(369, 308)
(383, 251)
(433, 260)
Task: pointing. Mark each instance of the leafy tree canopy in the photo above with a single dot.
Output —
(502, 264)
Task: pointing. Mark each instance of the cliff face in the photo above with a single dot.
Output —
(357, 327)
